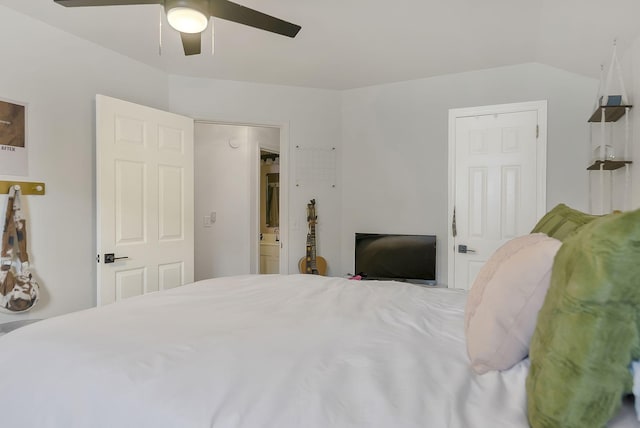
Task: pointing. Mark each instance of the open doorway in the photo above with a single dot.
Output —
(230, 215)
(269, 211)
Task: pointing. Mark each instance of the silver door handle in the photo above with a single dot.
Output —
(464, 250)
(111, 258)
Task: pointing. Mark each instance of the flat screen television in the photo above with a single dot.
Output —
(410, 258)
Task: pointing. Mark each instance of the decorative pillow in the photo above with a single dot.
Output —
(562, 222)
(587, 331)
(503, 304)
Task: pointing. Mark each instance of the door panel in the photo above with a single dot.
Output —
(496, 186)
(511, 188)
(170, 275)
(130, 202)
(129, 131)
(170, 140)
(170, 199)
(144, 199)
(129, 283)
(477, 202)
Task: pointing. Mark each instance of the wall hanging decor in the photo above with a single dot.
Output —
(19, 291)
(315, 165)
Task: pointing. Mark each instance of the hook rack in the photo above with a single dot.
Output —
(26, 187)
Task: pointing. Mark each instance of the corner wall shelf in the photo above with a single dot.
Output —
(611, 113)
(610, 177)
(608, 165)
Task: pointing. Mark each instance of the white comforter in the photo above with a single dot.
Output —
(258, 351)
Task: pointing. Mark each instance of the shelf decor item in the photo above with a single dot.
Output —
(609, 153)
(612, 100)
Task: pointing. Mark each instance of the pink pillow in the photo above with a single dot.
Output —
(503, 303)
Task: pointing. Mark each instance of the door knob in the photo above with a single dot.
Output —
(464, 250)
(111, 258)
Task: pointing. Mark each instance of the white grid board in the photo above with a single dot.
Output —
(315, 166)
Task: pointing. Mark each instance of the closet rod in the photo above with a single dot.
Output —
(26, 187)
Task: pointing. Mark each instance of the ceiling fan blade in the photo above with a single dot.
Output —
(191, 43)
(80, 3)
(243, 15)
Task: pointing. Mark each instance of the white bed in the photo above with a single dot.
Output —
(260, 351)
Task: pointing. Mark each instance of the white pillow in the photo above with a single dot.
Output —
(503, 303)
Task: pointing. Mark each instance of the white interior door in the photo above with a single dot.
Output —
(144, 163)
(499, 186)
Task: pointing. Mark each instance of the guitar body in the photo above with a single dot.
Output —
(321, 265)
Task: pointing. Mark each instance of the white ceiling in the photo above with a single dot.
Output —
(353, 43)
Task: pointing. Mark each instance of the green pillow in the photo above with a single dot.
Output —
(562, 221)
(587, 331)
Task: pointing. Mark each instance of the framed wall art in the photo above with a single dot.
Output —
(13, 138)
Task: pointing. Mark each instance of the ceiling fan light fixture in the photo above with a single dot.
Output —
(191, 18)
(187, 20)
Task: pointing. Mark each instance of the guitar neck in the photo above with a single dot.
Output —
(310, 265)
(312, 238)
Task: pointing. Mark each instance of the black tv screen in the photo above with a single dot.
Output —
(396, 257)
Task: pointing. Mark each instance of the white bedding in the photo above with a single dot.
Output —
(258, 351)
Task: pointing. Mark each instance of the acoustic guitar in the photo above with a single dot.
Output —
(312, 263)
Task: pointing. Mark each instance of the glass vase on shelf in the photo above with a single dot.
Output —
(609, 153)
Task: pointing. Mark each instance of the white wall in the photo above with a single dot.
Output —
(58, 75)
(394, 143)
(313, 117)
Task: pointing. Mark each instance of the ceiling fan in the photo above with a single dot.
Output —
(191, 17)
